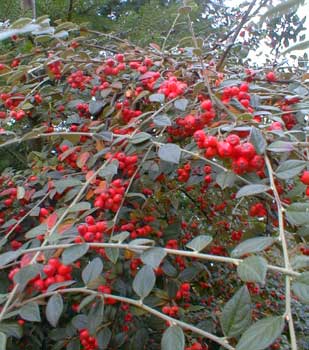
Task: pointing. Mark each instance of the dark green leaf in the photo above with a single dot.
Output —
(30, 312)
(300, 287)
(252, 245)
(199, 243)
(73, 253)
(226, 179)
(62, 185)
(92, 270)
(8, 257)
(112, 254)
(280, 146)
(170, 153)
(181, 104)
(110, 170)
(162, 120)
(298, 213)
(153, 257)
(173, 339)
(140, 138)
(300, 262)
(54, 309)
(96, 316)
(290, 168)
(96, 107)
(3, 339)
(11, 329)
(253, 269)
(258, 140)
(58, 285)
(236, 314)
(103, 338)
(250, 190)
(157, 98)
(27, 273)
(144, 281)
(82, 206)
(261, 334)
(36, 231)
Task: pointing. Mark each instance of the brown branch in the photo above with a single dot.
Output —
(237, 31)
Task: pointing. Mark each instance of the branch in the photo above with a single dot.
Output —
(237, 31)
(137, 303)
(282, 238)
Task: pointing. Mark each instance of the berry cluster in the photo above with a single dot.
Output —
(10, 194)
(111, 197)
(171, 310)
(243, 155)
(55, 68)
(87, 341)
(91, 231)
(195, 346)
(184, 292)
(257, 210)
(137, 229)
(288, 117)
(172, 88)
(184, 173)
(78, 80)
(240, 93)
(68, 155)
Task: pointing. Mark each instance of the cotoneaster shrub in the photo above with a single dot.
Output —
(163, 203)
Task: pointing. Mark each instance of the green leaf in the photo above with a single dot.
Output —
(290, 168)
(298, 213)
(181, 104)
(96, 107)
(73, 253)
(96, 316)
(157, 98)
(153, 257)
(303, 45)
(162, 120)
(20, 23)
(110, 170)
(120, 237)
(140, 138)
(103, 337)
(280, 146)
(283, 8)
(170, 153)
(8, 257)
(3, 339)
(82, 206)
(251, 190)
(253, 269)
(112, 254)
(27, 273)
(173, 339)
(144, 281)
(300, 287)
(258, 140)
(62, 185)
(236, 314)
(261, 334)
(11, 329)
(199, 243)
(30, 312)
(226, 179)
(36, 231)
(92, 270)
(54, 309)
(252, 245)
(300, 262)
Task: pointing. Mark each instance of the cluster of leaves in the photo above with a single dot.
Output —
(163, 204)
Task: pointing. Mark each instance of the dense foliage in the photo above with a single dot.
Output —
(159, 198)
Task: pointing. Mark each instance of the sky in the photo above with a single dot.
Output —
(264, 49)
